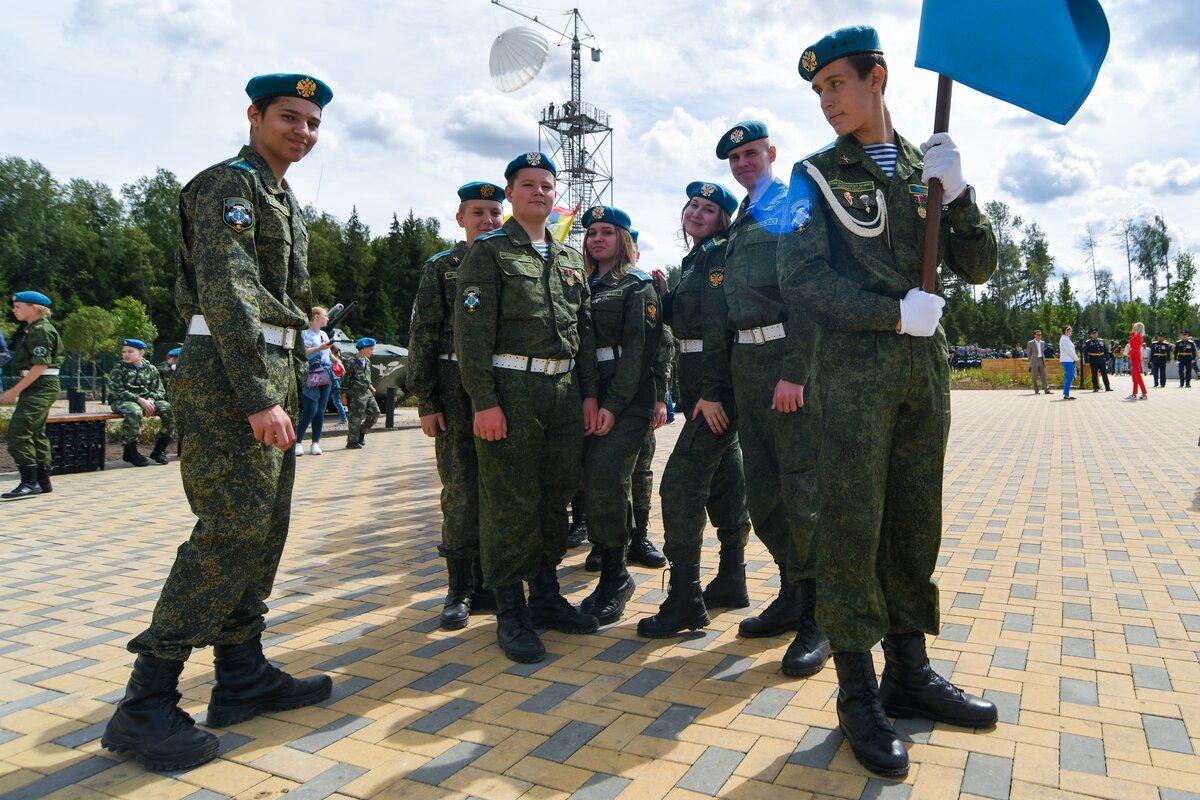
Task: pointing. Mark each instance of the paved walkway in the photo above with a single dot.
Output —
(1068, 578)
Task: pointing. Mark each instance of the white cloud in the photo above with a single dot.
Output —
(1041, 173)
(383, 119)
(1176, 176)
(495, 125)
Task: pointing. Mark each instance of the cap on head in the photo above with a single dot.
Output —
(480, 190)
(538, 160)
(138, 343)
(745, 131)
(366, 341)
(633, 235)
(279, 84)
(839, 44)
(35, 298)
(606, 214)
(714, 192)
(174, 352)
(1092, 330)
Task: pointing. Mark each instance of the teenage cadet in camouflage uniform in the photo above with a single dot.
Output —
(625, 319)
(243, 287)
(771, 357)
(705, 468)
(1160, 354)
(1185, 359)
(359, 395)
(523, 336)
(136, 391)
(853, 264)
(445, 408)
(166, 370)
(37, 353)
(1097, 354)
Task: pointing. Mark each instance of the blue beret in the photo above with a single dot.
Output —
(366, 341)
(175, 351)
(740, 134)
(633, 234)
(481, 190)
(37, 298)
(138, 343)
(715, 192)
(606, 214)
(539, 160)
(839, 44)
(280, 84)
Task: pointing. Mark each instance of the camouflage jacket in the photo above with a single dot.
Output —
(357, 380)
(243, 263)
(36, 343)
(512, 301)
(126, 383)
(165, 373)
(698, 303)
(850, 282)
(625, 315)
(431, 332)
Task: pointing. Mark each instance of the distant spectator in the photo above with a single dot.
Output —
(166, 370)
(1067, 357)
(1037, 362)
(1136, 337)
(315, 398)
(135, 391)
(360, 395)
(5, 356)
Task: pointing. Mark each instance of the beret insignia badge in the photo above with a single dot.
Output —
(809, 61)
(737, 135)
(707, 190)
(597, 213)
(533, 159)
(306, 87)
(487, 190)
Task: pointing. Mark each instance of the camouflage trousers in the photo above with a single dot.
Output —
(27, 441)
(361, 416)
(457, 467)
(885, 419)
(608, 463)
(131, 426)
(241, 493)
(526, 479)
(780, 455)
(643, 474)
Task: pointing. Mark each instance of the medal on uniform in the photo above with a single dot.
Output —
(921, 212)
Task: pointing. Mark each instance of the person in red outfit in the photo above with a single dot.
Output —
(1136, 337)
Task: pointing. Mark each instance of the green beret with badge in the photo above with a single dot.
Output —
(839, 44)
(33, 298)
(536, 160)
(714, 192)
(746, 131)
(606, 214)
(480, 190)
(306, 87)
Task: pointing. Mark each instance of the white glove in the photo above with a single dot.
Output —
(943, 162)
(920, 312)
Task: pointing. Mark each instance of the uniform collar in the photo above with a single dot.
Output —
(908, 158)
(274, 185)
(518, 236)
(458, 252)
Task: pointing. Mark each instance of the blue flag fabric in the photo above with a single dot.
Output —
(1041, 55)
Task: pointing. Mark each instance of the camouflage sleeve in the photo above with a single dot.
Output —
(228, 284)
(154, 384)
(39, 346)
(424, 332)
(662, 364)
(714, 313)
(639, 346)
(968, 244)
(809, 282)
(120, 389)
(586, 370)
(475, 324)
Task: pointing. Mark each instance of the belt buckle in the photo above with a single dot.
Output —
(546, 368)
(758, 335)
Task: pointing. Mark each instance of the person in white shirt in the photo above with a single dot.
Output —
(1066, 355)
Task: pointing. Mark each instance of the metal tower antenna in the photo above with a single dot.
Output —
(578, 133)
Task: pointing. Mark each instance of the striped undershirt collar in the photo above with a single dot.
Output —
(884, 155)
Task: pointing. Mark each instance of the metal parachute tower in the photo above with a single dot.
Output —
(575, 134)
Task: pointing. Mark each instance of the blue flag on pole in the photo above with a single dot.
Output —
(1041, 55)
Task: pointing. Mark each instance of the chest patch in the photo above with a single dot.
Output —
(716, 276)
(651, 313)
(238, 213)
(472, 299)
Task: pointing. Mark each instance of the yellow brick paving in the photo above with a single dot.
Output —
(1069, 583)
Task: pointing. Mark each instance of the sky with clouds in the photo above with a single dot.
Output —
(110, 90)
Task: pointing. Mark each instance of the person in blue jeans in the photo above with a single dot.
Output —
(1067, 357)
(313, 401)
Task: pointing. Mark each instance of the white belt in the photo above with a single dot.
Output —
(272, 334)
(691, 345)
(47, 371)
(547, 366)
(767, 333)
(607, 353)
(448, 357)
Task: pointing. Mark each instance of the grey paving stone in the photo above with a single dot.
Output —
(344, 688)
(425, 605)
(710, 771)
(1075, 584)
(354, 611)
(529, 669)
(672, 721)
(1073, 544)
(563, 744)
(978, 575)
(1081, 648)
(35, 699)
(83, 735)
(984, 554)
(436, 647)
(954, 632)
(1182, 593)
(1167, 569)
(967, 600)
(1019, 623)
(816, 748)
(1142, 635)
(1166, 733)
(1009, 658)
(1029, 549)
(1116, 555)
(202, 794)
(644, 681)
(730, 668)
(83, 644)
(440, 677)
(1133, 602)
(1008, 705)
(67, 776)
(548, 698)
(357, 654)
(987, 776)
(443, 716)
(333, 732)
(1073, 690)
(1081, 754)
(601, 786)
(1123, 575)
(8, 736)
(913, 730)
(621, 650)
(350, 634)
(768, 702)
(427, 625)
(229, 741)
(447, 764)
(1191, 622)
(1081, 611)
(1176, 794)
(1026, 568)
(1145, 677)
(1073, 562)
(881, 789)
(54, 672)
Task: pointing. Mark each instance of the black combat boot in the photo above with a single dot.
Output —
(910, 687)
(132, 455)
(641, 550)
(728, 588)
(514, 628)
(247, 685)
(549, 609)
(159, 453)
(682, 610)
(483, 601)
(861, 719)
(781, 616)
(592, 562)
(614, 588)
(150, 724)
(457, 606)
(43, 478)
(362, 439)
(577, 534)
(809, 651)
(28, 486)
